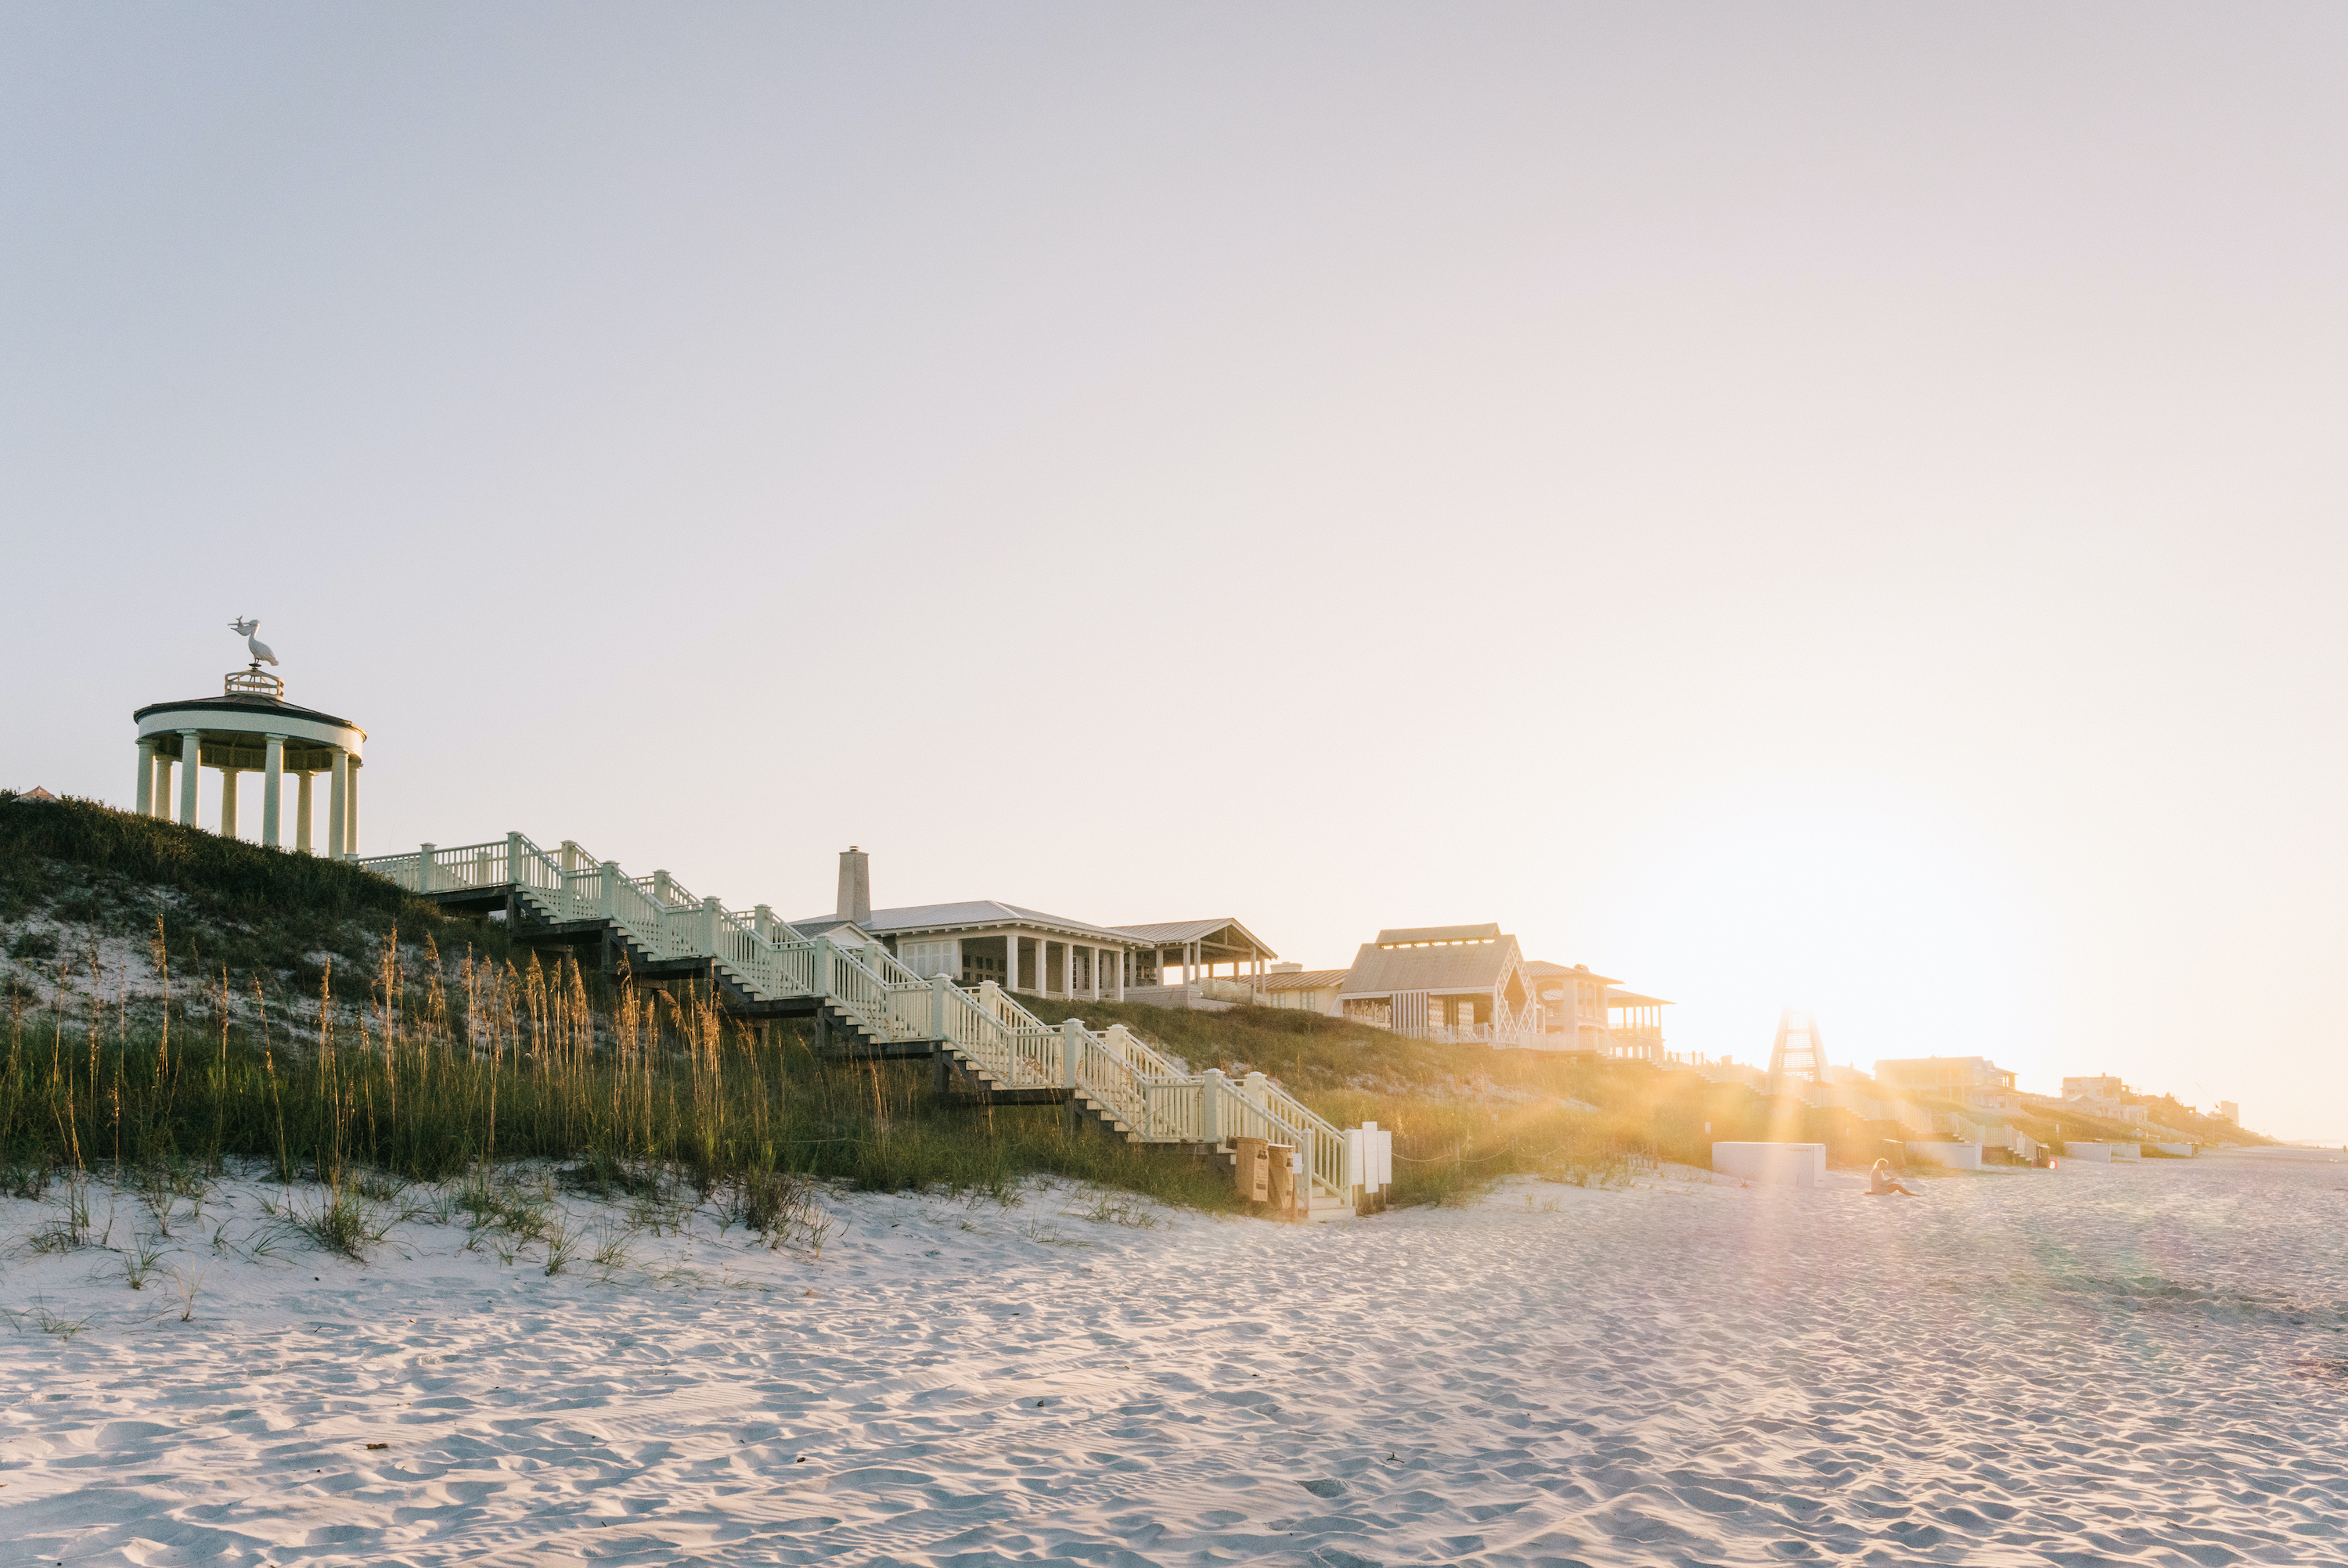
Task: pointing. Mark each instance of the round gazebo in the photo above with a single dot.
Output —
(251, 728)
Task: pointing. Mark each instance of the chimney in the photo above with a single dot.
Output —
(855, 885)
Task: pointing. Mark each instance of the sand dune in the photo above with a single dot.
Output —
(2099, 1364)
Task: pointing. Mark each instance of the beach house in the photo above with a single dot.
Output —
(1571, 1003)
(1975, 1080)
(983, 940)
(1443, 982)
(1306, 991)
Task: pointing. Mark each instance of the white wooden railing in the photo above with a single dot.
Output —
(1006, 1045)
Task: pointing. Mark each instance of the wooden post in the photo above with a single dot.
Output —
(1072, 1046)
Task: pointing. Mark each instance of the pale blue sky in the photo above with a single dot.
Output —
(1827, 504)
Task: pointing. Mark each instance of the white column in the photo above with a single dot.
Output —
(338, 802)
(1123, 959)
(351, 811)
(162, 784)
(302, 814)
(1096, 966)
(147, 776)
(191, 752)
(273, 790)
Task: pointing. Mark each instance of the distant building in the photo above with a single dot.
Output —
(2230, 1111)
(2103, 1096)
(1042, 954)
(1306, 991)
(1572, 1006)
(1443, 982)
(1634, 1027)
(1975, 1080)
(2092, 1089)
(983, 939)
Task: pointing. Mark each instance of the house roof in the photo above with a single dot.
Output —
(980, 912)
(1633, 1000)
(1300, 980)
(1468, 966)
(1542, 969)
(1221, 932)
(1409, 935)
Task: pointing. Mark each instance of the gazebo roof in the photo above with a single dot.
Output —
(258, 708)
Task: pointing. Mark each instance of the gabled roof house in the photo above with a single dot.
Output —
(1443, 982)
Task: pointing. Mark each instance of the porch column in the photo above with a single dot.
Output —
(146, 775)
(1123, 958)
(301, 814)
(273, 790)
(162, 784)
(338, 805)
(351, 812)
(1093, 963)
(192, 755)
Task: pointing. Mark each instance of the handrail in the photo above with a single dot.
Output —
(1326, 1156)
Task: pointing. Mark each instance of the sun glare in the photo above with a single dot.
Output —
(1902, 936)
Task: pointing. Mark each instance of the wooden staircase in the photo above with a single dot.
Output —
(865, 1006)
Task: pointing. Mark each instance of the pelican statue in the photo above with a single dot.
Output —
(261, 654)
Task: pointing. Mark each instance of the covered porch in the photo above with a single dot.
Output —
(1180, 963)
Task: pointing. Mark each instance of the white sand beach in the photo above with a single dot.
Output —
(2100, 1364)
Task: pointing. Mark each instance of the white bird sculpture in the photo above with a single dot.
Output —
(245, 629)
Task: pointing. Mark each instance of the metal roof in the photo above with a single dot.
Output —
(1633, 1000)
(980, 912)
(1468, 966)
(1178, 933)
(1411, 935)
(1542, 969)
(1300, 979)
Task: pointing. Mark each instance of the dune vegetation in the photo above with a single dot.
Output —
(175, 1000)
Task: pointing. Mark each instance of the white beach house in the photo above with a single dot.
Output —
(1443, 982)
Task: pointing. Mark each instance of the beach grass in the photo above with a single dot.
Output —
(441, 1068)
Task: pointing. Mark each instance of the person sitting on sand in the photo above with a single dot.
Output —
(1882, 1184)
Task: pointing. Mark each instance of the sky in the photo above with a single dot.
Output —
(1834, 506)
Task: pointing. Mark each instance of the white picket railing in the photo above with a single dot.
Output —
(1007, 1045)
